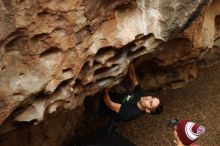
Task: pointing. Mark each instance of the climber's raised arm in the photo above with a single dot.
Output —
(132, 75)
(109, 103)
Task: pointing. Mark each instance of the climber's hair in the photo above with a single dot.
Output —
(158, 110)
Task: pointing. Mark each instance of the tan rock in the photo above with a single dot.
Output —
(55, 53)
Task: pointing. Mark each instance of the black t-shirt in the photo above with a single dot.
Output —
(129, 109)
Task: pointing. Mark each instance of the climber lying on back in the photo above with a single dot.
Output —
(130, 106)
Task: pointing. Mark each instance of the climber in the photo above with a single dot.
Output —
(128, 107)
(132, 105)
(186, 133)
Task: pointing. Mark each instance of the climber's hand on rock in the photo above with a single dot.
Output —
(131, 71)
(132, 75)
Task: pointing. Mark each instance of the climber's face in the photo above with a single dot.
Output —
(149, 103)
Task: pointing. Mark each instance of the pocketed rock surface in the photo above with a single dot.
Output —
(54, 54)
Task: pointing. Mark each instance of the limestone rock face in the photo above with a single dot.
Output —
(55, 53)
(196, 47)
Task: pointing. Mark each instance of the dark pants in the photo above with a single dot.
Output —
(97, 106)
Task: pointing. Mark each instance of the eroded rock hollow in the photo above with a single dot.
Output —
(55, 53)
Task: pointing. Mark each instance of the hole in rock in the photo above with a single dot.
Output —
(21, 74)
(217, 22)
(38, 36)
(104, 69)
(103, 50)
(3, 67)
(15, 44)
(42, 13)
(78, 82)
(67, 70)
(85, 66)
(50, 51)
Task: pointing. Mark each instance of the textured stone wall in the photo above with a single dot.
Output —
(55, 53)
(181, 57)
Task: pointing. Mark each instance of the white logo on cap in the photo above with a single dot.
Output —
(189, 133)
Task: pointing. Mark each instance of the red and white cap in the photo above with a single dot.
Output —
(188, 132)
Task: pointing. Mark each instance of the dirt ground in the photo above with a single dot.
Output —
(199, 101)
